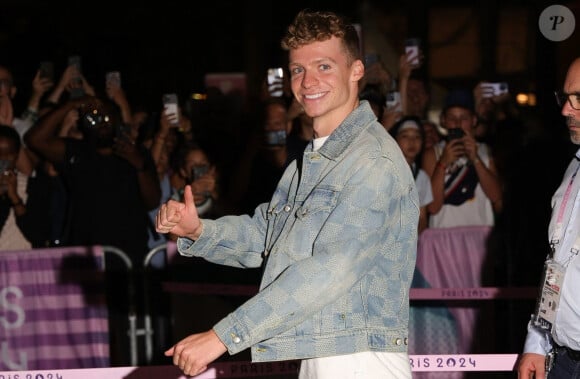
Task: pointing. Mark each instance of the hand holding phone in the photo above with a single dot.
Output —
(171, 109)
(455, 133)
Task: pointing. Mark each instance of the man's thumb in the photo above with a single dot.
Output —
(188, 197)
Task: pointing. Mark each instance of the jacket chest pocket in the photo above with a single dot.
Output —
(317, 206)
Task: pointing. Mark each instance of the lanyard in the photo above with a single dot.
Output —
(557, 235)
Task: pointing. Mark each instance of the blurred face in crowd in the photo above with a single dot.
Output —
(8, 153)
(275, 117)
(572, 86)
(459, 117)
(410, 141)
(195, 164)
(417, 98)
(431, 134)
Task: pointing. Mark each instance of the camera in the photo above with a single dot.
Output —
(92, 118)
(455, 133)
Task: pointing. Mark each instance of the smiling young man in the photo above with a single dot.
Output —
(337, 241)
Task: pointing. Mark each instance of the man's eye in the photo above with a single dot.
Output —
(324, 67)
(296, 70)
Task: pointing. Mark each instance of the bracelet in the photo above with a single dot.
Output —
(441, 165)
(19, 202)
(476, 160)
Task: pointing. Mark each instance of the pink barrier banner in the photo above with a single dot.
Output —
(447, 258)
(443, 364)
(53, 310)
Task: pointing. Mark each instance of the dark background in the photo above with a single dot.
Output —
(166, 46)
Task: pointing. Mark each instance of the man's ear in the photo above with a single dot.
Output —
(358, 70)
(13, 90)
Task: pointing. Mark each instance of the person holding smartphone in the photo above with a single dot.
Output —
(464, 180)
(336, 241)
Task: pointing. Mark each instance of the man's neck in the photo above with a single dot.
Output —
(324, 125)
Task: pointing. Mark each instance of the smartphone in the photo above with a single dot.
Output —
(276, 82)
(75, 60)
(47, 70)
(494, 89)
(393, 102)
(412, 47)
(77, 91)
(276, 137)
(455, 133)
(171, 108)
(113, 79)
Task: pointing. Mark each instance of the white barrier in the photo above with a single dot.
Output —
(419, 363)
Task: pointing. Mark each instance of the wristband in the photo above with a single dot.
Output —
(441, 165)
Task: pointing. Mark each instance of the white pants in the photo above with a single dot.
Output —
(365, 365)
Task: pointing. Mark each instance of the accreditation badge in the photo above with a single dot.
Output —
(549, 299)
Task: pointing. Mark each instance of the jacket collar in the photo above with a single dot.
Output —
(347, 131)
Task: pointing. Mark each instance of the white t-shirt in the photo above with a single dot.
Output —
(476, 211)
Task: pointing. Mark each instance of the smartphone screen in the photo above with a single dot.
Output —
(113, 79)
(75, 60)
(171, 109)
(393, 102)
(275, 81)
(47, 70)
(276, 137)
(412, 50)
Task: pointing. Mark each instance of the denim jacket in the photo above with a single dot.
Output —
(338, 245)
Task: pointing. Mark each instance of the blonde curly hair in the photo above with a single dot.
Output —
(315, 26)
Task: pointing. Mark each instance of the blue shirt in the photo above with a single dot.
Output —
(566, 329)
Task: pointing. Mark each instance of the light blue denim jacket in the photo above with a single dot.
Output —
(338, 243)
